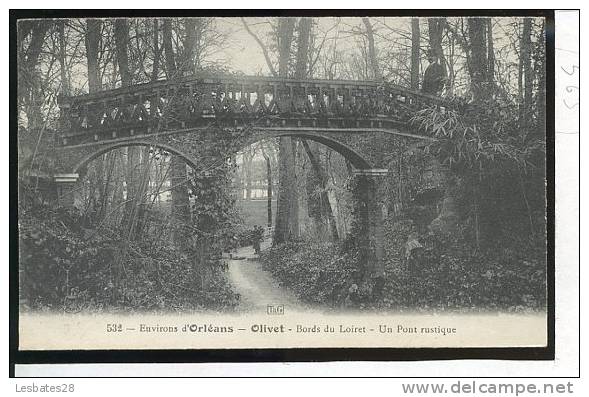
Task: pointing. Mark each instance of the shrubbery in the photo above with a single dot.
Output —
(448, 275)
(316, 272)
(66, 267)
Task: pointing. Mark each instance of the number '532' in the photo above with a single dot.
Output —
(114, 327)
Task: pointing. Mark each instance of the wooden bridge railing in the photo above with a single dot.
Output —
(233, 101)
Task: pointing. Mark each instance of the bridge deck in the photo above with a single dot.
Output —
(197, 102)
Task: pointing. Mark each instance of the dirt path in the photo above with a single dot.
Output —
(257, 287)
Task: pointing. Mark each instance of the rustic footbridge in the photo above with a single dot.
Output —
(332, 112)
(365, 121)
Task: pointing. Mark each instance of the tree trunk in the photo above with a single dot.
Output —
(178, 176)
(144, 192)
(447, 218)
(482, 85)
(373, 58)
(415, 40)
(320, 207)
(188, 61)
(169, 49)
(121, 41)
(269, 186)
(540, 71)
(301, 64)
(285, 34)
(478, 61)
(287, 217)
(93, 29)
(23, 29)
(132, 178)
(155, 71)
(65, 81)
(527, 74)
(30, 83)
(180, 201)
(247, 170)
(490, 55)
(323, 213)
(107, 161)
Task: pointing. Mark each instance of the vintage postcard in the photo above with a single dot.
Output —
(310, 181)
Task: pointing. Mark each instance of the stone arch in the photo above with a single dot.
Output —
(356, 159)
(89, 153)
(80, 166)
(181, 145)
(367, 211)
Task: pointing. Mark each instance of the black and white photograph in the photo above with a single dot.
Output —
(321, 180)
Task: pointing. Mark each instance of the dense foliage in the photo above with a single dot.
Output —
(496, 168)
(448, 274)
(316, 272)
(66, 267)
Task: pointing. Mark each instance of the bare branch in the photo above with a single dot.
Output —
(262, 46)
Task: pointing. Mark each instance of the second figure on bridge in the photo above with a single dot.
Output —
(434, 78)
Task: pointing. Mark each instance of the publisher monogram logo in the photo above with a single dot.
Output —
(275, 310)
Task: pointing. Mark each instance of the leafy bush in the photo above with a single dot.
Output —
(449, 275)
(66, 267)
(316, 272)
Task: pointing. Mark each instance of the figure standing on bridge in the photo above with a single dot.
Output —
(434, 78)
